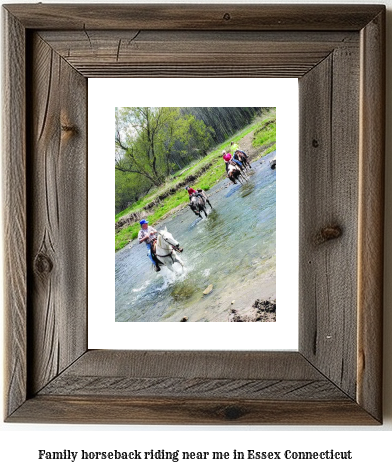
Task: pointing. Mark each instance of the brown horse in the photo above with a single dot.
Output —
(243, 158)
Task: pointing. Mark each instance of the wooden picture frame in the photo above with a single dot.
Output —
(338, 54)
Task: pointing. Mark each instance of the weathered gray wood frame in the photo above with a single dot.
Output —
(337, 52)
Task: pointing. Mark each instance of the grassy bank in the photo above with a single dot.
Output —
(204, 174)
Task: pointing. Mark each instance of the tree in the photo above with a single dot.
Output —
(129, 189)
(150, 141)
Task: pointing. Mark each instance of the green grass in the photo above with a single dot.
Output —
(270, 149)
(125, 235)
(264, 134)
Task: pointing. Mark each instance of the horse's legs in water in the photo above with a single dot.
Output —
(169, 266)
(244, 172)
(244, 175)
(177, 259)
(239, 178)
(180, 262)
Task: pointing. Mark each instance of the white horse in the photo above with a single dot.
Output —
(166, 250)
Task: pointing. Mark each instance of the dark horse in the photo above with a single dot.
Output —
(198, 203)
(243, 158)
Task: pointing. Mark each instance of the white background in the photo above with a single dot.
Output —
(19, 444)
(104, 95)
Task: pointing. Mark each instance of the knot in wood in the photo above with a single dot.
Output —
(232, 413)
(43, 264)
(227, 16)
(328, 233)
(315, 143)
(68, 128)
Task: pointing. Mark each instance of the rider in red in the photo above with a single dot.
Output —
(227, 158)
(192, 192)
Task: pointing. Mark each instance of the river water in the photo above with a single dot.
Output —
(234, 249)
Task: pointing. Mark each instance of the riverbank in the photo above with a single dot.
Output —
(243, 304)
(258, 139)
(261, 311)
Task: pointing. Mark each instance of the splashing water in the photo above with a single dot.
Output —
(232, 249)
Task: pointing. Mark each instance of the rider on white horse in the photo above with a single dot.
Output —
(147, 234)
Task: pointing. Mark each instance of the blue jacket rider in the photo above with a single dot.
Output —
(147, 234)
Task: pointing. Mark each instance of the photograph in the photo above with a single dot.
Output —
(195, 223)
